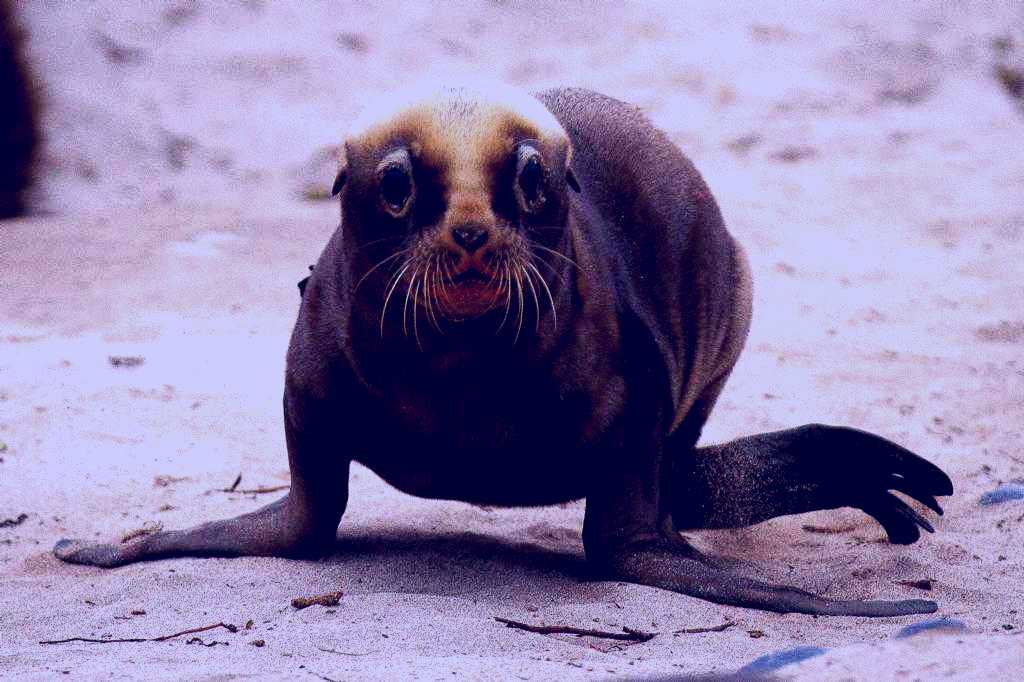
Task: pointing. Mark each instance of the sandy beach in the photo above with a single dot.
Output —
(869, 159)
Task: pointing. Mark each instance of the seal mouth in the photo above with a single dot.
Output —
(471, 294)
(470, 276)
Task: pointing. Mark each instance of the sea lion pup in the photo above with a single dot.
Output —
(531, 300)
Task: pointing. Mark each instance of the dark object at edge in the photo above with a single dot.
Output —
(19, 132)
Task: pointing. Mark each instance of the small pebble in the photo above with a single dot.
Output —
(125, 360)
(1014, 490)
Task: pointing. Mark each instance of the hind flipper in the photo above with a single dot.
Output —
(805, 469)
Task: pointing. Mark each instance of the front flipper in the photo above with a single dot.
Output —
(675, 565)
(303, 524)
(278, 529)
(627, 536)
(805, 469)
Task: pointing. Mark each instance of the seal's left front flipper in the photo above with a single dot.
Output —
(674, 565)
(805, 469)
(636, 495)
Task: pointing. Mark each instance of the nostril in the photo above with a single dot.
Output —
(469, 238)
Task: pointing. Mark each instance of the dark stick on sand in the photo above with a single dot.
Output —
(627, 634)
(255, 491)
(164, 638)
(717, 628)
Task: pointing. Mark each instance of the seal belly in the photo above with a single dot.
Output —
(524, 476)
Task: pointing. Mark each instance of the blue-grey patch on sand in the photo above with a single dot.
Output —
(948, 624)
(771, 662)
(1014, 490)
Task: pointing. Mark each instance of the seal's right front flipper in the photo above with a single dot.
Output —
(278, 529)
(805, 469)
(680, 568)
(302, 524)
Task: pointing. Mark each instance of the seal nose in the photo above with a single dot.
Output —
(470, 237)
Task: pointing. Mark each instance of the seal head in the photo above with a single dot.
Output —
(450, 199)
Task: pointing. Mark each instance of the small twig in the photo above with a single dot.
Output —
(94, 641)
(200, 642)
(717, 628)
(164, 638)
(627, 634)
(923, 584)
(234, 485)
(254, 491)
(329, 599)
(17, 521)
(227, 626)
(344, 653)
(164, 481)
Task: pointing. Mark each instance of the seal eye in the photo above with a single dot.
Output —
(396, 184)
(395, 188)
(530, 179)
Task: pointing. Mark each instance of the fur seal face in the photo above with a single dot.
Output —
(453, 203)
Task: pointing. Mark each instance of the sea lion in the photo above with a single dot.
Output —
(530, 300)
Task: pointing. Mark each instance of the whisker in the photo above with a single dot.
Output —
(551, 299)
(378, 241)
(536, 303)
(429, 292)
(415, 305)
(519, 293)
(426, 274)
(438, 285)
(495, 273)
(405, 308)
(497, 289)
(397, 279)
(371, 270)
(559, 254)
(508, 295)
(548, 265)
(448, 264)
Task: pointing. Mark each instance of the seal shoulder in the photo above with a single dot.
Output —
(661, 229)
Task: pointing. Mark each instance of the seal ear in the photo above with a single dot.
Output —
(339, 181)
(570, 179)
(342, 176)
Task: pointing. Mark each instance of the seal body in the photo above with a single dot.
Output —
(534, 299)
(472, 416)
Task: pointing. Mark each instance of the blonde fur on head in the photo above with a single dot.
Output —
(467, 123)
(450, 103)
